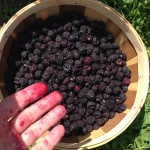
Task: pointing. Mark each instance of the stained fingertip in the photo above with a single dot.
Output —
(32, 92)
(60, 128)
(56, 133)
(40, 88)
(56, 95)
(62, 109)
(51, 139)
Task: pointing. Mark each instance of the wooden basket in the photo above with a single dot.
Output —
(125, 36)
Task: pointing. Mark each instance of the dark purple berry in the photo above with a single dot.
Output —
(119, 75)
(102, 86)
(28, 46)
(95, 41)
(24, 54)
(117, 90)
(121, 108)
(100, 121)
(110, 104)
(91, 105)
(125, 89)
(55, 86)
(63, 42)
(96, 126)
(79, 80)
(123, 56)
(65, 35)
(71, 85)
(38, 74)
(67, 68)
(90, 95)
(51, 33)
(62, 88)
(69, 100)
(77, 63)
(119, 62)
(24, 82)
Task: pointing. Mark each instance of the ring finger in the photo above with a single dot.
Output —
(32, 133)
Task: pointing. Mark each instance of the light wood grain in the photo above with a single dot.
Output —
(45, 13)
(128, 48)
(134, 73)
(121, 38)
(132, 61)
(71, 8)
(91, 14)
(112, 27)
(133, 86)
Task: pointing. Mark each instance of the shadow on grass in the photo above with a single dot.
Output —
(125, 141)
(10, 7)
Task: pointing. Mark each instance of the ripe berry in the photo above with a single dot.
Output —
(77, 88)
(87, 60)
(55, 86)
(82, 49)
(121, 108)
(51, 33)
(44, 30)
(119, 75)
(43, 47)
(79, 80)
(28, 46)
(123, 56)
(89, 38)
(62, 88)
(87, 68)
(63, 42)
(125, 89)
(77, 63)
(90, 95)
(71, 85)
(102, 86)
(24, 54)
(110, 104)
(100, 121)
(67, 68)
(46, 76)
(119, 62)
(95, 41)
(38, 74)
(96, 126)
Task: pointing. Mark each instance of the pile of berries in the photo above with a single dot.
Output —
(80, 59)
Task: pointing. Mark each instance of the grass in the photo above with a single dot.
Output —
(137, 136)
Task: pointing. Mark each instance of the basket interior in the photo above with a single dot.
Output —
(121, 39)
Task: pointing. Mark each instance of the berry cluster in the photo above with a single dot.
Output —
(80, 59)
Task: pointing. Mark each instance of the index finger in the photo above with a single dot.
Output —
(15, 102)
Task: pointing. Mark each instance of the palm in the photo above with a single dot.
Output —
(23, 129)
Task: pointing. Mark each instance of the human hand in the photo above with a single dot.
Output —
(23, 129)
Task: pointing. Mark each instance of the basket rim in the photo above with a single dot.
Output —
(134, 110)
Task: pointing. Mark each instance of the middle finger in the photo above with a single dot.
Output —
(32, 113)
